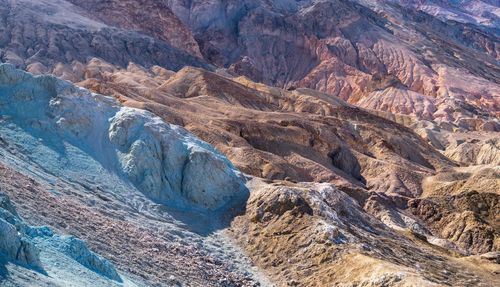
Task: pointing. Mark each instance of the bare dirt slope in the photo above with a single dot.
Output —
(383, 170)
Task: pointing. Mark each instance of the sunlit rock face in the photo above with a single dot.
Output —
(38, 35)
(406, 57)
(164, 161)
(434, 60)
(367, 133)
(34, 249)
(363, 171)
(299, 135)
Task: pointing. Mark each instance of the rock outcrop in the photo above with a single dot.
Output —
(14, 244)
(152, 18)
(466, 219)
(164, 161)
(475, 151)
(256, 130)
(24, 245)
(39, 35)
(269, 132)
(342, 142)
(309, 234)
(147, 195)
(77, 250)
(433, 59)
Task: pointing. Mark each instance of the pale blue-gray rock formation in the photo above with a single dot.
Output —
(21, 244)
(163, 161)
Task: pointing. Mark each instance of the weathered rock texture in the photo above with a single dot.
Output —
(433, 60)
(316, 235)
(26, 245)
(299, 135)
(481, 13)
(151, 17)
(164, 161)
(38, 35)
(304, 135)
(140, 191)
(394, 192)
(384, 55)
(14, 245)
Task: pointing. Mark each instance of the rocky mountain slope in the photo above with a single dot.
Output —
(480, 13)
(278, 134)
(118, 178)
(434, 60)
(36, 254)
(377, 54)
(86, 153)
(295, 141)
(249, 143)
(40, 34)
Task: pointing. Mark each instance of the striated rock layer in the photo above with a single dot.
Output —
(433, 60)
(25, 247)
(299, 135)
(402, 57)
(376, 166)
(39, 35)
(367, 163)
(150, 188)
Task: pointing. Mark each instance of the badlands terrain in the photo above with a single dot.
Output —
(249, 143)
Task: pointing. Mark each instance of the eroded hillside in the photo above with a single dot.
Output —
(249, 143)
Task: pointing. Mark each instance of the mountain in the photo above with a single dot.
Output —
(375, 54)
(249, 143)
(435, 60)
(85, 154)
(40, 34)
(479, 13)
(85, 165)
